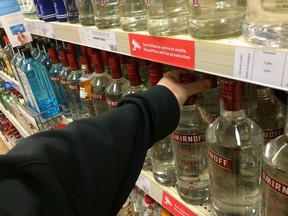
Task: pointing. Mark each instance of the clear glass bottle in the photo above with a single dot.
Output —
(269, 113)
(99, 82)
(46, 60)
(36, 81)
(86, 14)
(216, 19)
(163, 164)
(266, 23)
(167, 17)
(54, 73)
(144, 66)
(133, 15)
(235, 144)
(28, 8)
(117, 86)
(190, 152)
(78, 110)
(64, 73)
(72, 11)
(107, 13)
(85, 85)
(274, 181)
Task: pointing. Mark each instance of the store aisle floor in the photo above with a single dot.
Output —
(3, 147)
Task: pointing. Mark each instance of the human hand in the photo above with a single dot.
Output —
(22, 38)
(182, 91)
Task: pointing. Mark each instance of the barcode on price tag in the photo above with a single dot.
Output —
(143, 183)
(99, 39)
(262, 65)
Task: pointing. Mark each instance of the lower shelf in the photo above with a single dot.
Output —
(169, 198)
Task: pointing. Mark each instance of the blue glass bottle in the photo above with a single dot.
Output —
(60, 10)
(72, 11)
(36, 81)
(54, 73)
(47, 10)
(37, 7)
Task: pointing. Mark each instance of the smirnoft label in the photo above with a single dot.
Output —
(275, 184)
(64, 82)
(223, 162)
(112, 103)
(55, 78)
(101, 97)
(188, 138)
(272, 134)
(74, 87)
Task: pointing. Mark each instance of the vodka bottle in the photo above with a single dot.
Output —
(150, 205)
(47, 10)
(6, 62)
(78, 110)
(27, 8)
(269, 113)
(163, 165)
(99, 82)
(117, 86)
(167, 17)
(127, 209)
(274, 181)
(123, 62)
(144, 66)
(85, 85)
(136, 85)
(107, 13)
(189, 146)
(211, 98)
(234, 144)
(266, 23)
(133, 15)
(36, 80)
(46, 60)
(60, 10)
(136, 198)
(64, 73)
(216, 19)
(105, 56)
(55, 78)
(72, 11)
(86, 14)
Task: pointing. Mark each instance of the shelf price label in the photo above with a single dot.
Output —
(262, 66)
(43, 29)
(143, 183)
(174, 206)
(98, 38)
(180, 53)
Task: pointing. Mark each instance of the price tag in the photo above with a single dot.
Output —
(44, 29)
(143, 183)
(261, 65)
(99, 39)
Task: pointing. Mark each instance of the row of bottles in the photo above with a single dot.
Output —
(263, 23)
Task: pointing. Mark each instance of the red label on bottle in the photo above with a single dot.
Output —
(271, 134)
(275, 184)
(174, 206)
(74, 87)
(188, 138)
(112, 103)
(226, 163)
(163, 50)
(101, 97)
(64, 82)
(55, 78)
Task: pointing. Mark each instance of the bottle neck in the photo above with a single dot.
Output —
(265, 93)
(286, 124)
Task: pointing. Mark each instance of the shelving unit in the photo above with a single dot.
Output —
(8, 144)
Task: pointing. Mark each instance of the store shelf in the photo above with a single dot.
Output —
(169, 197)
(218, 57)
(7, 143)
(8, 78)
(14, 121)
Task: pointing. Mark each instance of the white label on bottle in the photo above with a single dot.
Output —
(261, 65)
(83, 93)
(105, 40)
(143, 183)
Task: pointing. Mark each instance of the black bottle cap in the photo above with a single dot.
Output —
(27, 53)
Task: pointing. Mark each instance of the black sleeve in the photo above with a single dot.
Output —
(90, 166)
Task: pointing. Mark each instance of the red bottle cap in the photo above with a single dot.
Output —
(105, 57)
(212, 78)
(115, 67)
(83, 50)
(188, 78)
(122, 58)
(144, 62)
(148, 200)
(64, 58)
(133, 73)
(53, 55)
(73, 62)
(232, 94)
(155, 75)
(98, 62)
(71, 48)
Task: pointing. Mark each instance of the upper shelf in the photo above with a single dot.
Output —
(231, 58)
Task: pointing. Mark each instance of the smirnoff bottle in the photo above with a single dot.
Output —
(167, 17)
(163, 165)
(72, 11)
(269, 114)
(107, 13)
(234, 144)
(86, 14)
(190, 152)
(274, 181)
(78, 110)
(85, 86)
(117, 86)
(99, 82)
